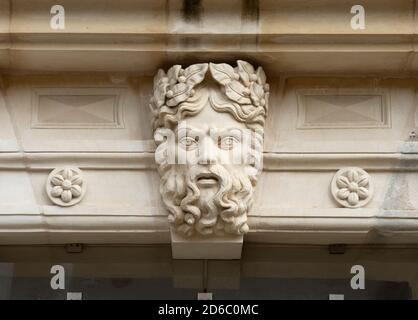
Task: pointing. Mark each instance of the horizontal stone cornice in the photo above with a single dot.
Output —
(272, 161)
(308, 54)
(281, 34)
(51, 225)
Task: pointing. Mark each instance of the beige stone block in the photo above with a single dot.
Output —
(199, 247)
(129, 16)
(330, 17)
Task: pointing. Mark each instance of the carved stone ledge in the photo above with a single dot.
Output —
(309, 41)
(278, 161)
(57, 225)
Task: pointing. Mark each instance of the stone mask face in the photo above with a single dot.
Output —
(209, 132)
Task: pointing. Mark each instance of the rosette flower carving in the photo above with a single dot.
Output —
(65, 186)
(352, 187)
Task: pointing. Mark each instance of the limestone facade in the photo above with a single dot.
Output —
(77, 149)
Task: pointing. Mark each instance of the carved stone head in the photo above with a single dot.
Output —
(208, 126)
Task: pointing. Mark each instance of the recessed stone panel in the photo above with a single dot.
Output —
(337, 108)
(54, 108)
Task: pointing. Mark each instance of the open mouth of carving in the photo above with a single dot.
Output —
(207, 180)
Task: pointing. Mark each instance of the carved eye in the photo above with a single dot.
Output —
(188, 143)
(227, 143)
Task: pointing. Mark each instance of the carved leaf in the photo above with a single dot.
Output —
(66, 196)
(57, 180)
(352, 175)
(235, 91)
(363, 193)
(245, 78)
(343, 193)
(245, 71)
(363, 181)
(180, 94)
(245, 66)
(159, 94)
(173, 74)
(257, 92)
(67, 173)
(56, 191)
(266, 97)
(158, 78)
(195, 73)
(76, 191)
(77, 180)
(261, 76)
(353, 198)
(222, 72)
(342, 182)
(153, 106)
(179, 89)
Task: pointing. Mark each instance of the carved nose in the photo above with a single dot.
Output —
(207, 152)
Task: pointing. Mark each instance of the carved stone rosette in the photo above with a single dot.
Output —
(352, 187)
(65, 186)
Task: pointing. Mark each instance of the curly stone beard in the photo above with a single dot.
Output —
(208, 210)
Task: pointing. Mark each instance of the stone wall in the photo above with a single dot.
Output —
(79, 97)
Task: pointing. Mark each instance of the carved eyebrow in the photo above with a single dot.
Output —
(181, 131)
(235, 132)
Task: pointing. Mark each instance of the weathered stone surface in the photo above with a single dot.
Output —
(338, 98)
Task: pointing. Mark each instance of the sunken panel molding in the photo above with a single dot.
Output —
(331, 108)
(85, 114)
(293, 199)
(77, 108)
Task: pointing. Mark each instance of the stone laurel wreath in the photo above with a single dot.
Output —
(243, 85)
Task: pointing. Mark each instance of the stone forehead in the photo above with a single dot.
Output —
(209, 118)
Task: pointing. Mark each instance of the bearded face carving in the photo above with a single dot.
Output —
(208, 126)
